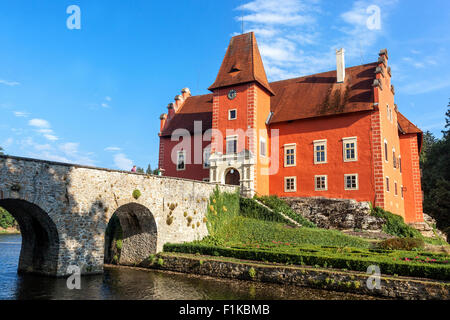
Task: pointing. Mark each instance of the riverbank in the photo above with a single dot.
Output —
(302, 276)
(9, 231)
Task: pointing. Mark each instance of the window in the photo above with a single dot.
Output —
(231, 144)
(181, 160)
(206, 155)
(290, 184)
(321, 183)
(350, 149)
(387, 184)
(386, 151)
(351, 181)
(395, 188)
(387, 112)
(262, 147)
(289, 155)
(394, 159)
(401, 191)
(320, 151)
(400, 164)
(232, 114)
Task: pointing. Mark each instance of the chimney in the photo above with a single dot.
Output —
(178, 102)
(340, 65)
(185, 93)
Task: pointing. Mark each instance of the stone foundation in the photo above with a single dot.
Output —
(340, 214)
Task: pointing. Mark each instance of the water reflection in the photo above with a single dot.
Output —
(127, 283)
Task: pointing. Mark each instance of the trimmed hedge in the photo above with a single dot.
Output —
(277, 204)
(402, 244)
(251, 209)
(326, 259)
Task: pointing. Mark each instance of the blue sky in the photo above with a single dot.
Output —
(94, 95)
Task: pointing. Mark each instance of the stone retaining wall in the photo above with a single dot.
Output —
(336, 280)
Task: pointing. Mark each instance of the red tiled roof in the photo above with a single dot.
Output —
(406, 125)
(242, 63)
(195, 108)
(320, 94)
(299, 98)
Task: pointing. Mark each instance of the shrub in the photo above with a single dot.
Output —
(119, 244)
(252, 272)
(277, 204)
(251, 209)
(401, 244)
(6, 219)
(136, 194)
(169, 220)
(160, 262)
(395, 225)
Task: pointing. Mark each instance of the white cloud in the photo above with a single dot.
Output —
(9, 83)
(69, 148)
(105, 105)
(39, 123)
(51, 137)
(112, 149)
(425, 86)
(122, 162)
(21, 114)
(108, 98)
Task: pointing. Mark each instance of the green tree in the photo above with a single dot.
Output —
(139, 170)
(428, 141)
(436, 178)
(6, 219)
(1, 150)
(149, 170)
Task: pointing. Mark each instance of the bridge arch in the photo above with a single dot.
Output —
(135, 227)
(40, 239)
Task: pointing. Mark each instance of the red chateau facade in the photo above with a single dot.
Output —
(337, 134)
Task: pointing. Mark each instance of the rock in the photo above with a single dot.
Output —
(340, 214)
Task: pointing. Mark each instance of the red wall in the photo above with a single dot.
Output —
(333, 129)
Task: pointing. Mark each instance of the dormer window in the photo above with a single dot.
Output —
(232, 114)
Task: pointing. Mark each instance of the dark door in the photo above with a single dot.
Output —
(232, 177)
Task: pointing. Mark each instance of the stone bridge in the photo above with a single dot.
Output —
(63, 211)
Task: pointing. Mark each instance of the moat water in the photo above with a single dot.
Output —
(126, 283)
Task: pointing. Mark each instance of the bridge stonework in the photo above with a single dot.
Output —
(63, 211)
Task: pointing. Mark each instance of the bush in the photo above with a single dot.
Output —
(401, 265)
(136, 194)
(401, 244)
(278, 205)
(6, 219)
(395, 225)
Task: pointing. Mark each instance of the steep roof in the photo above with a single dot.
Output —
(195, 108)
(406, 125)
(320, 94)
(242, 64)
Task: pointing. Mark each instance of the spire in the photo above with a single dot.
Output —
(242, 64)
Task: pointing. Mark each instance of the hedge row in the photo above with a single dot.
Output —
(277, 204)
(324, 259)
(251, 209)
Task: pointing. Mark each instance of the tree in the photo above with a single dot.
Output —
(428, 141)
(149, 170)
(1, 150)
(436, 177)
(139, 170)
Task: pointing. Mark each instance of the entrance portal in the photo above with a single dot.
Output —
(232, 177)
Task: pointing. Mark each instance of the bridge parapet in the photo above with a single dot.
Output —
(66, 208)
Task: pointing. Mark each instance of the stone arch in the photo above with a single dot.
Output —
(232, 176)
(139, 234)
(40, 239)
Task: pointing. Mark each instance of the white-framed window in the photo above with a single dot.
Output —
(231, 144)
(290, 184)
(206, 155)
(387, 184)
(320, 151)
(232, 114)
(290, 155)
(262, 147)
(386, 151)
(350, 149)
(321, 183)
(351, 181)
(395, 188)
(181, 160)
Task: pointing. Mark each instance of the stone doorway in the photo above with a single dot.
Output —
(232, 177)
